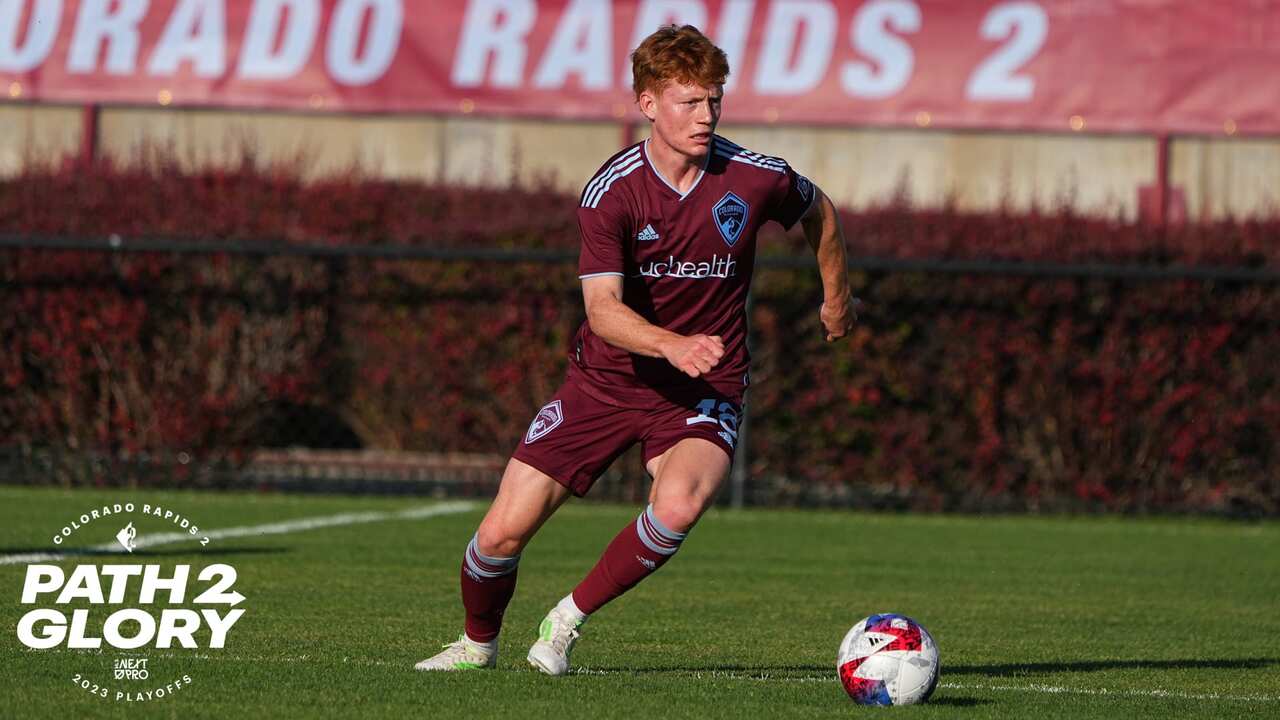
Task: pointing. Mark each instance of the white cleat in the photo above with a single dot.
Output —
(556, 637)
(460, 655)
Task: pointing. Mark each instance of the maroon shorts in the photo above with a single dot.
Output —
(578, 435)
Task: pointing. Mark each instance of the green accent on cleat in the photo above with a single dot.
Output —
(557, 635)
(461, 655)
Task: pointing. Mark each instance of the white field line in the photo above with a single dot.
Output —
(279, 528)
(1032, 688)
(1059, 690)
(725, 675)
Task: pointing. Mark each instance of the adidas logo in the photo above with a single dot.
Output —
(647, 562)
(647, 234)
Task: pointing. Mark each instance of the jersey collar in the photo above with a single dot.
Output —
(706, 161)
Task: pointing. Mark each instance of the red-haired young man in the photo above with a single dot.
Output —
(668, 246)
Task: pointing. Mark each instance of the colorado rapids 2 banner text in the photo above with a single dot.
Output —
(1109, 65)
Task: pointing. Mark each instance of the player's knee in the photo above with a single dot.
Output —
(679, 513)
(493, 541)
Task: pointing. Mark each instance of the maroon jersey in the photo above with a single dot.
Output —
(686, 260)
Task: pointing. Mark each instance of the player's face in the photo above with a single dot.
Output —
(684, 116)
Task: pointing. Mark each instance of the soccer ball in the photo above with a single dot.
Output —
(888, 660)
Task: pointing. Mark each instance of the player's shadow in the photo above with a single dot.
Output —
(1014, 669)
(791, 671)
(176, 552)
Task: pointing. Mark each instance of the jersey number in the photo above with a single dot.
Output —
(727, 420)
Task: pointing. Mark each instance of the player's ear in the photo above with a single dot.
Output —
(648, 104)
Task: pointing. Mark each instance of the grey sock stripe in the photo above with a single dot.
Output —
(657, 525)
(486, 566)
(655, 535)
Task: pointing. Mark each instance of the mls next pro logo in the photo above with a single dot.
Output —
(134, 608)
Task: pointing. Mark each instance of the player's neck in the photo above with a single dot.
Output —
(679, 170)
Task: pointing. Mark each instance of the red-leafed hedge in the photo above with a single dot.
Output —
(956, 391)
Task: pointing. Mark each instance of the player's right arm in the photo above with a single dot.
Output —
(620, 326)
(602, 223)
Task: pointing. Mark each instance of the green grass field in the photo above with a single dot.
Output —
(1035, 617)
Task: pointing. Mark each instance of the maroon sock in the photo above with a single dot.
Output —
(641, 548)
(487, 586)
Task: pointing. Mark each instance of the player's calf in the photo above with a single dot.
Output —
(488, 583)
(487, 586)
(635, 553)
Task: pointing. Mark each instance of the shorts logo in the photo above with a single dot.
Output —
(730, 215)
(549, 417)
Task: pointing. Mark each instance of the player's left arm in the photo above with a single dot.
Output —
(822, 230)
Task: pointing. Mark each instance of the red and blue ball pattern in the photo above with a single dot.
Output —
(906, 635)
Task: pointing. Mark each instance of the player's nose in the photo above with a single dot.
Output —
(704, 114)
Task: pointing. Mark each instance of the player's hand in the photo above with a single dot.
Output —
(694, 355)
(839, 316)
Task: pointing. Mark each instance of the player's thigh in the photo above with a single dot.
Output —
(707, 415)
(686, 479)
(688, 449)
(526, 498)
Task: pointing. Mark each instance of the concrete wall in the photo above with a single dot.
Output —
(857, 167)
(973, 171)
(389, 146)
(35, 133)
(565, 154)
(456, 150)
(1227, 178)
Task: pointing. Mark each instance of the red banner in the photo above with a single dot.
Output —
(1093, 65)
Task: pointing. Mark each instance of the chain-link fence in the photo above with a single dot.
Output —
(397, 369)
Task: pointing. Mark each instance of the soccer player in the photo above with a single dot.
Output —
(668, 246)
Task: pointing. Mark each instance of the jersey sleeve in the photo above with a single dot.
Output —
(793, 196)
(603, 237)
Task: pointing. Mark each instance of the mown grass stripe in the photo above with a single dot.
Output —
(280, 528)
